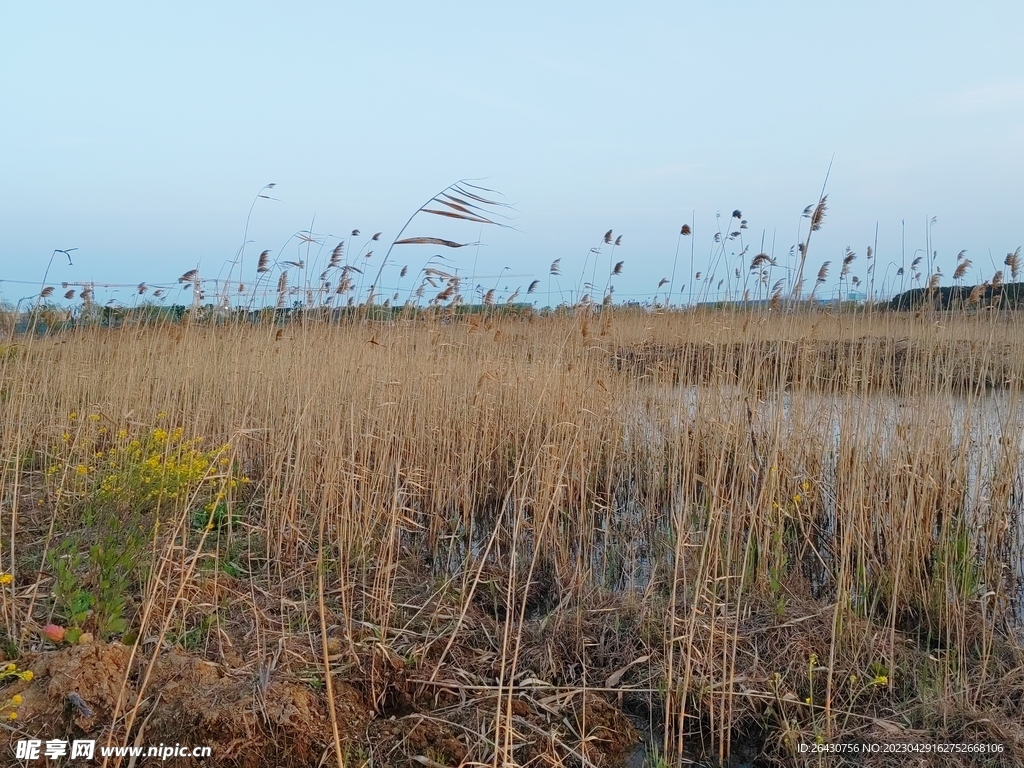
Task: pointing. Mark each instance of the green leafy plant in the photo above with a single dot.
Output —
(91, 590)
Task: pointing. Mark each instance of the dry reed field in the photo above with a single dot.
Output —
(600, 537)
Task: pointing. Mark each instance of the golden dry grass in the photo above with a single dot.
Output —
(746, 530)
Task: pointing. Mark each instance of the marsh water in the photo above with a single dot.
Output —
(984, 436)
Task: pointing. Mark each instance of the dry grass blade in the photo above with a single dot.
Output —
(460, 189)
(456, 215)
(432, 241)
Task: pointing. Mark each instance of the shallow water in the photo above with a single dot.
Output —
(985, 434)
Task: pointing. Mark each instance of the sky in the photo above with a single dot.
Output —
(141, 134)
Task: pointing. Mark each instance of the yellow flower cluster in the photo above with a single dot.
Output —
(132, 471)
(160, 466)
(9, 672)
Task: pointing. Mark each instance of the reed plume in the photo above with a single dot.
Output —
(282, 288)
(847, 261)
(336, 255)
(1013, 262)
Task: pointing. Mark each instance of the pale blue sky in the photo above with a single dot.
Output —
(141, 133)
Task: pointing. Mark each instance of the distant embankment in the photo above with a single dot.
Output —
(1005, 296)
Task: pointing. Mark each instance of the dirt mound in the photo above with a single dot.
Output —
(245, 720)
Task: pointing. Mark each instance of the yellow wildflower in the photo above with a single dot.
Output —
(16, 699)
(797, 498)
(12, 716)
(806, 486)
(26, 675)
(6, 578)
(81, 469)
(72, 416)
(94, 417)
(881, 680)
